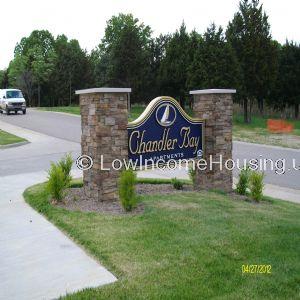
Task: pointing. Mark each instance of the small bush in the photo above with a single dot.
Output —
(243, 182)
(127, 193)
(192, 174)
(177, 184)
(256, 185)
(59, 177)
(56, 182)
(66, 165)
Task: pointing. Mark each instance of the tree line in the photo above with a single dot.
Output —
(243, 56)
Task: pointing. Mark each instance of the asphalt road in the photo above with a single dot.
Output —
(68, 128)
(64, 126)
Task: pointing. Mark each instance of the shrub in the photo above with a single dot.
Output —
(59, 177)
(177, 184)
(192, 174)
(127, 193)
(66, 165)
(56, 182)
(256, 185)
(243, 182)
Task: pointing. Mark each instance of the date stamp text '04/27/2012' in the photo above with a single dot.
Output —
(256, 269)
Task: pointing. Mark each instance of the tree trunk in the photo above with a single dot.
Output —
(246, 116)
(250, 111)
(296, 110)
(70, 92)
(261, 106)
(39, 95)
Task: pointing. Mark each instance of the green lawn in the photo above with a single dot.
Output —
(259, 122)
(188, 246)
(73, 109)
(7, 138)
(256, 132)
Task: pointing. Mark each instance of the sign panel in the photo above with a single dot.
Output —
(164, 132)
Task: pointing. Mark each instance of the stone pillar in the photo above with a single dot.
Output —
(216, 107)
(104, 114)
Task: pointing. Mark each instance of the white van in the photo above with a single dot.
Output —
(12, 100)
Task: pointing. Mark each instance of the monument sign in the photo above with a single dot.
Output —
(163, 132)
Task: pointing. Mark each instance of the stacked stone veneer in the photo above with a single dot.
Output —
(104, 114)
(216, 107)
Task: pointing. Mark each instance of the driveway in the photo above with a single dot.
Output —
(59, 125)
(35, 156)
(68, 129)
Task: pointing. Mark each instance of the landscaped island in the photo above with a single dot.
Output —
(8, 138)
(187, 245)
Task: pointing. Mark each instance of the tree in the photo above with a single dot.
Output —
(123, 57)
(249, 34)
(157, 55)
(34, 60)
(214, 64)
(99, 59)
(174, 67)
(287, 91)
(72, 70)
(21, 76)
(3, 79)
(54, 67)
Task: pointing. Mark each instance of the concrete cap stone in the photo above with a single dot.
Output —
(103, 90)
(213, 91)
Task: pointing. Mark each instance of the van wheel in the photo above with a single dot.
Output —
(24, 112)
(7, 112)
(16, 112)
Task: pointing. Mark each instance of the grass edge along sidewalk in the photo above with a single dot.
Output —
(9, 139)
(187, 246)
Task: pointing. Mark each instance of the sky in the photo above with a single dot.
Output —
(86, 20)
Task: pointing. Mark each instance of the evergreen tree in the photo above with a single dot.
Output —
(157, 55)
(72, 71)
(249, 34)
(287, 91)
(174, 67)
(214, 64)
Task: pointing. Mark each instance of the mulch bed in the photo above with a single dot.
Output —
(143, 189)
(77, 200)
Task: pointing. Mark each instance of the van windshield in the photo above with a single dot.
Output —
(13, 94)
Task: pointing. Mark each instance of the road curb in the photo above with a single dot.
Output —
(266, 145)
(58, 112)
(14, 145)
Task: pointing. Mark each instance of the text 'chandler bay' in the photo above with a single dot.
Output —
(163, 132)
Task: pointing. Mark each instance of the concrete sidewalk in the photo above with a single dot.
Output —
(37, 261)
